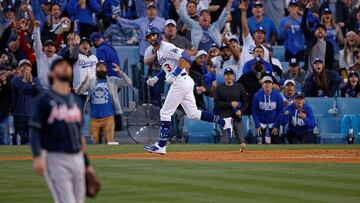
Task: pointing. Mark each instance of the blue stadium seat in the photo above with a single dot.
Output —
(279, 52)
(330, 130)
(285, 66)
(198, 131)
(348, 105)
(320, 105)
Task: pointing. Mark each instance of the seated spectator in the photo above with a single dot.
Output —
(333, 31)
(259, 20)
(230, 100)
(267, 110)
(143, 23)
(203, 33)
(6, 106)
(316, 45)
(82, 11)
(85, 64)
(321, 82)
(199, 64)
(291, 32)
(295, 72)
(105, 52)
(289, 92)
(229, 58)
(301, 122)
(26, 89)
(172, 37)
(45, 55)
(352, 88)
(251, 82)
(250, 42)
(258, 58)
(119, 36)
(103, 100)
(346, 57)
(182, 27)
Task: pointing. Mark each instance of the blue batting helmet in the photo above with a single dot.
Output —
(154, 30)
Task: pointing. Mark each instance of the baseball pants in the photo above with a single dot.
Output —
(65, 176)
(180, 93)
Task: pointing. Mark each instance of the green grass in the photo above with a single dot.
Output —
(194, 181)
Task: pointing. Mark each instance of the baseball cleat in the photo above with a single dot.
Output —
(242, 147)
(228, 126)
(155, 148)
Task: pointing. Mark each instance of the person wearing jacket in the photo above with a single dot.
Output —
(103, 100)
(203, 34)
(352, 88)
(26, 89)
(316, 45)
(6, 104)
(105, 52)
(301, 121)
(321, 82)
(267, 110)
(230, 100)
(82, 10)
(85, 63)
(258, 58)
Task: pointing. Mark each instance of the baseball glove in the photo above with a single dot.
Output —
(92, 183)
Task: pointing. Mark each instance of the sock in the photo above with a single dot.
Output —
(209, 117)
(164, 132)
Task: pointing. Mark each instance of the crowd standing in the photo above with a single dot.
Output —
(230, 43)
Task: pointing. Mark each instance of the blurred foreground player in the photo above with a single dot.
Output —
(56, 140)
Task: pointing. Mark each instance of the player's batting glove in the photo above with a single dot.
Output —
(151, 81)
(171, 79)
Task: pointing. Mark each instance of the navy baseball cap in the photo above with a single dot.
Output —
(95, 36)
(257, 4)
(299, 95)
(224, 46)
(319, 25)
(318, 60)
(214, 45)
(49, 42)
(151, 5)
(326, 11)
(9, 8)
(228, 70)
(260, 29)
(293, 2)
(293, 62)
(84, 39)
(352, 73)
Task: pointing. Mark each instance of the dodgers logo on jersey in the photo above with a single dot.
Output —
(174, 50)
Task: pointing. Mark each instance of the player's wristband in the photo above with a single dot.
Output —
(86, 159)
(177, 71)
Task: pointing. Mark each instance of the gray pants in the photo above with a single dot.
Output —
(65, 176)
(238, 133)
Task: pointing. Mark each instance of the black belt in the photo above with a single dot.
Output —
(183, 74)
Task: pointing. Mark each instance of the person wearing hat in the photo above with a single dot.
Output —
(203, 33)
(352, 88)
(6, 105)
(26, 89)
(258, 53)
(199, 64)
(45, 55)
(316, 45)
(177, 40)
(150, 20)
(334, 33)
(230, 100)
(258, 19)
(85, 63)
(295, 72)
(291, 32)
(9, 16)
(301, 121)
(105, 52)
(142, 5)
(229, 58)
(250, 42)
(102, 100)
(340, 11)
(267, 110)
(82, 11)
(321, 82)
(289, 92)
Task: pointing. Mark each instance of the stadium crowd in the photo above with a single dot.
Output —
(230, 42)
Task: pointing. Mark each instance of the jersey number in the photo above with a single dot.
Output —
(168, 68)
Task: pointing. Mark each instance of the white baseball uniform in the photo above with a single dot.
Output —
(181, 91)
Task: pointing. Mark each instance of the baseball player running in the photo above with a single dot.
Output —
(173, 60)
(55, 127)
